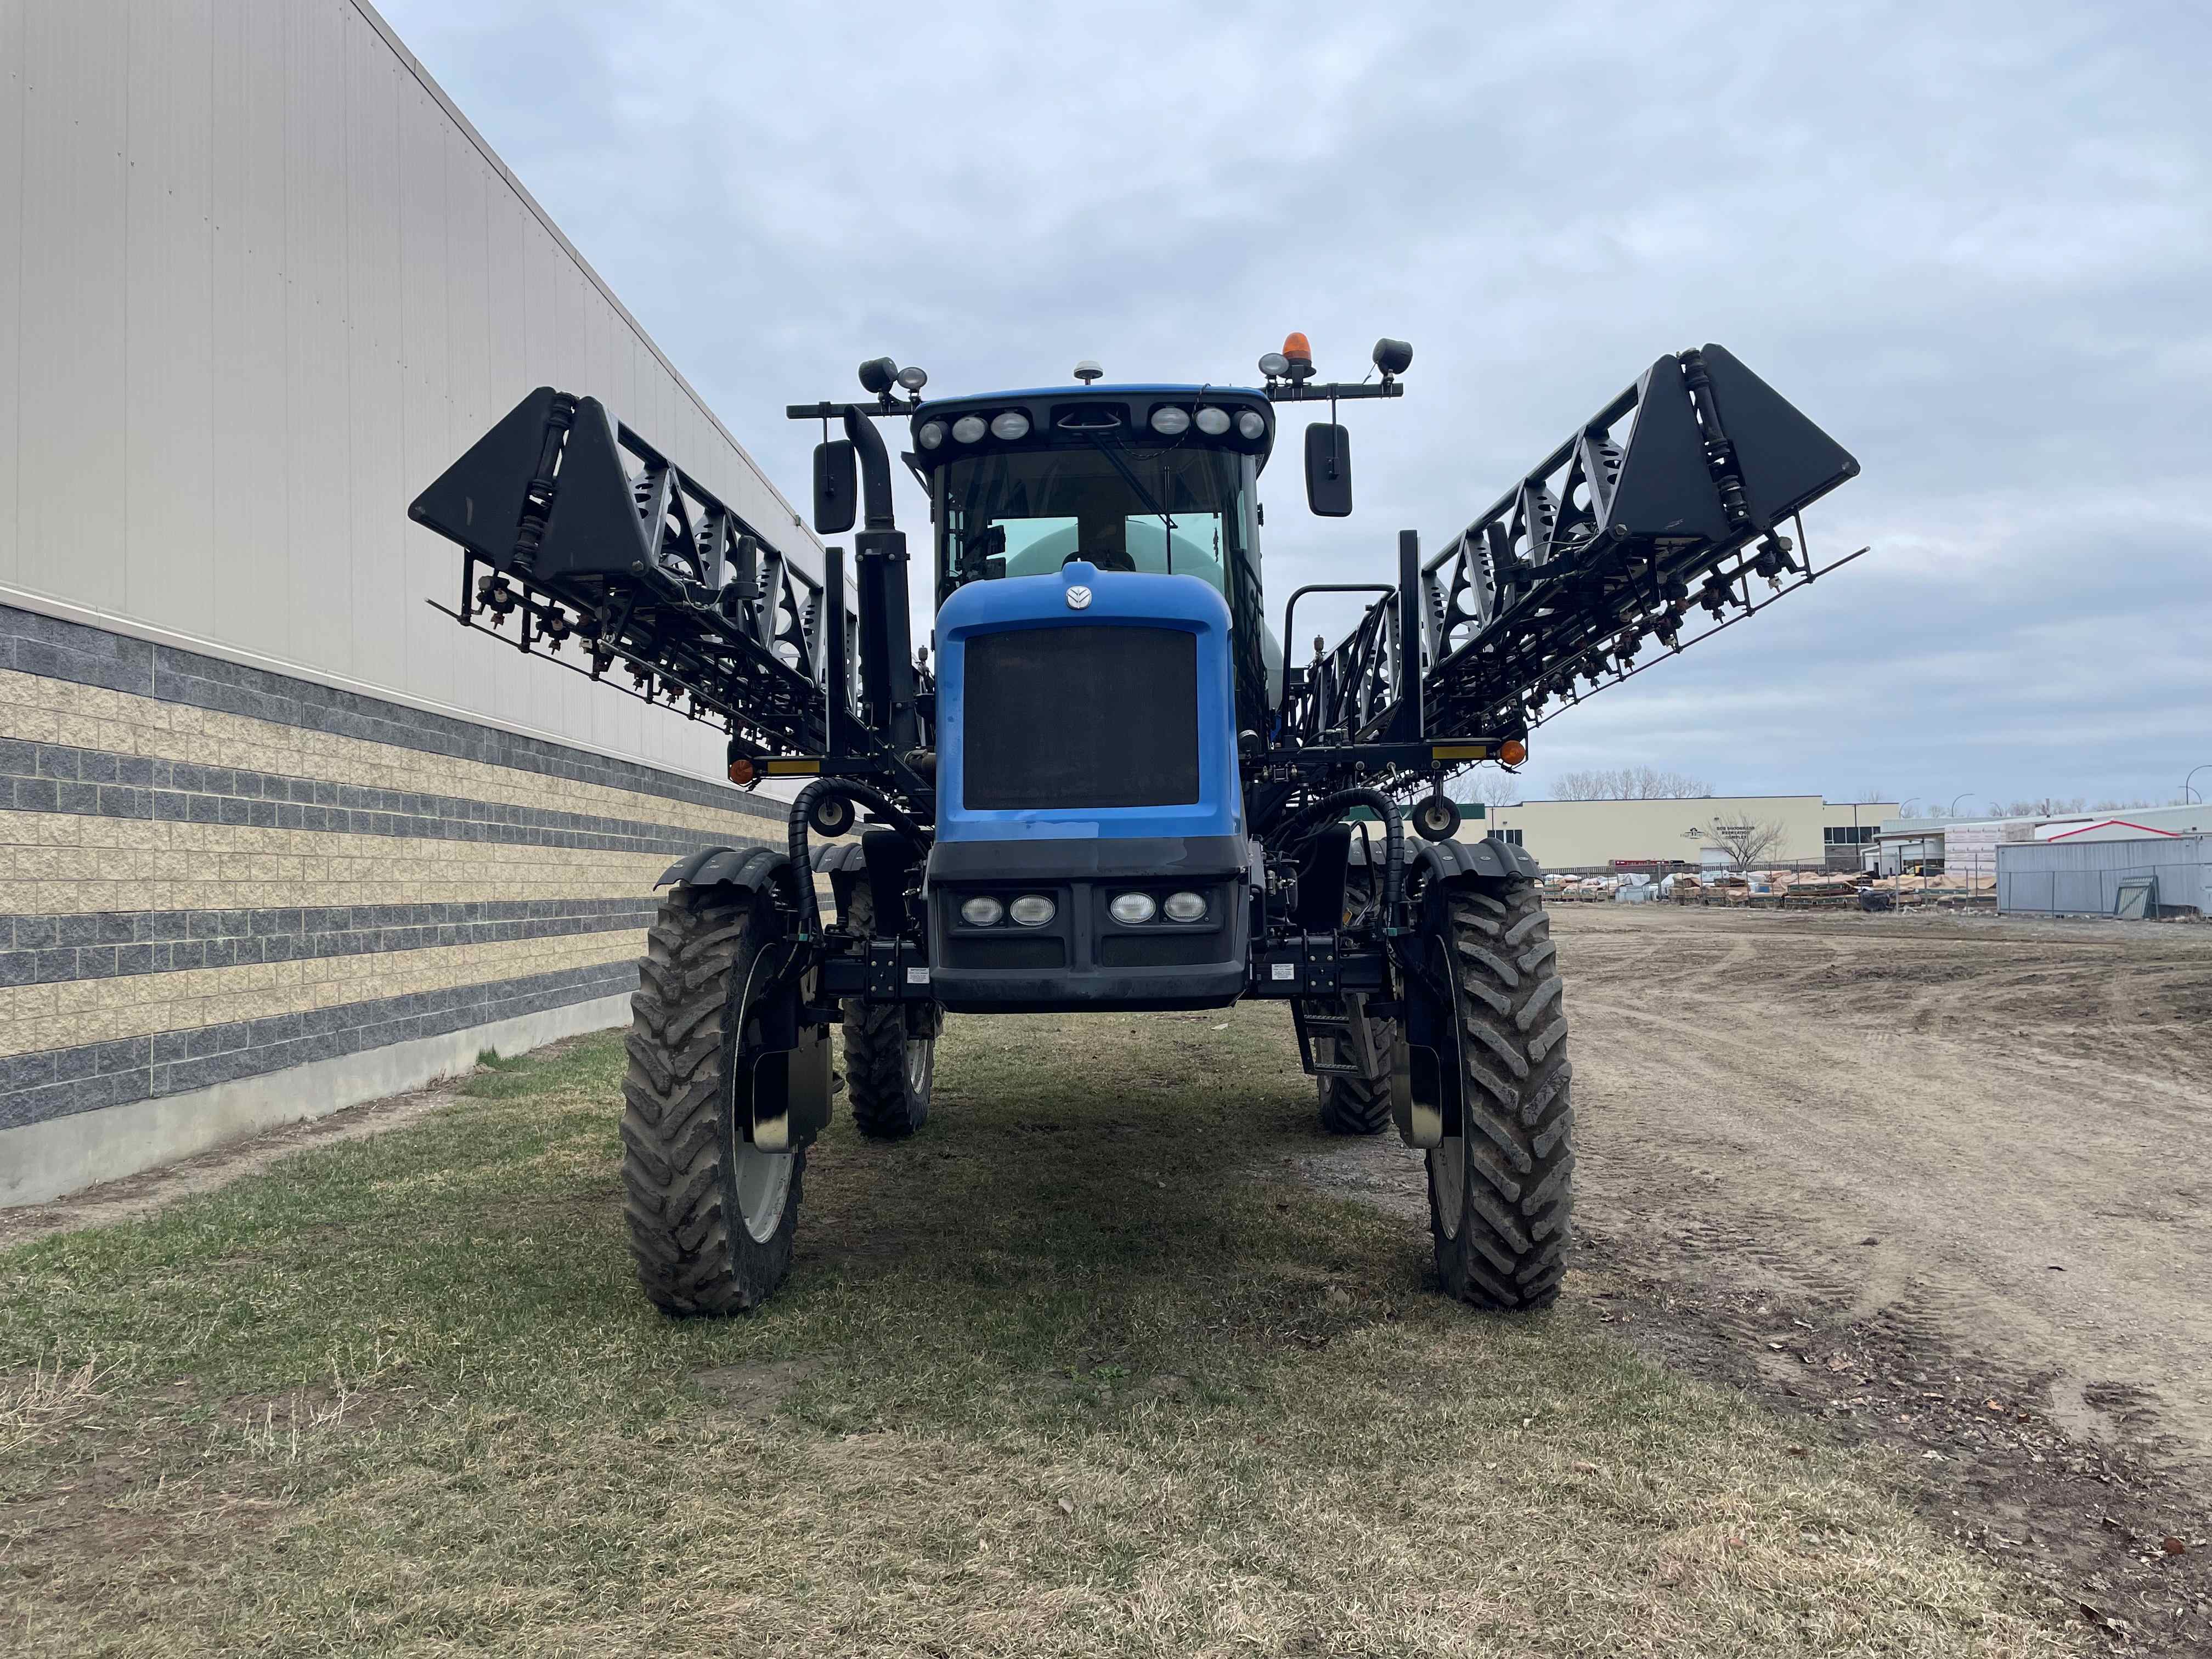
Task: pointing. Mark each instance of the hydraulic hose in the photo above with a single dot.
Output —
(860, 794)
(1309, 818)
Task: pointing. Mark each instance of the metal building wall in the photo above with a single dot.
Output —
(2080, 878)
(263, 282)
(275, 836)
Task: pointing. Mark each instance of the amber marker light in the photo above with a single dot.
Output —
(1299, 354)
(1513, 752)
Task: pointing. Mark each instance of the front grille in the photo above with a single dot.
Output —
(966, 951)
(1080, 717)
(1161, 949)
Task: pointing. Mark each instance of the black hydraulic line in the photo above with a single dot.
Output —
(1309, 818)
(795, 834)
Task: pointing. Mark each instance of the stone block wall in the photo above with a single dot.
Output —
(213, 877)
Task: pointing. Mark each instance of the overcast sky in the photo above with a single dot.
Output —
(1973, 242)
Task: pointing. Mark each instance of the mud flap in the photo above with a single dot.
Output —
(1424, 1083)
(787, 1074)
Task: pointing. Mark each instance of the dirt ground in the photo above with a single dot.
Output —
(1934, 1185)
(1941, 1181)
(1988, 1132)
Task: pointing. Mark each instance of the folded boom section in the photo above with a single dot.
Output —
(1647, 524)
(599, 552)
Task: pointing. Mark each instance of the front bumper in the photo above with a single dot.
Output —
(1083, 958)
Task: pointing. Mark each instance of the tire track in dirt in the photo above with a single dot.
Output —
(1822, 1115)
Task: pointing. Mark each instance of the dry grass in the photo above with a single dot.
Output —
(1056, 1378)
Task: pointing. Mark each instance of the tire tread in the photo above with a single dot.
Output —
(1510, 1254)
(673, 1134)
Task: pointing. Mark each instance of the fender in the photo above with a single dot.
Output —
(1492, 859)
(1448, 861)
(881, 858)
(789, 1058)
(1425, 1094)
(842, 862)
(750, 867)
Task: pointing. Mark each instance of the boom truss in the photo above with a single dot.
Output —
(1665, 503)
(584, 545)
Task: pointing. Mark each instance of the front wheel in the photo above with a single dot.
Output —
(1501, 1190)
(711, 1217)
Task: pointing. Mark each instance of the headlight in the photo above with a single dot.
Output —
(1185, 907)
(1132, 909)
(1010, 425)
(1032, 909)
(1169, 422)
(1212, 422)
(969, 429)
(932, 434)
(982, 911)
(1253, 424)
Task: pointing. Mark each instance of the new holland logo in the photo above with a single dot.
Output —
(1079, 598)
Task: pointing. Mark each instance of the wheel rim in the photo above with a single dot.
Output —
(763, 1184)
(920, 1052)
(761, 1181)
(1448, 1176)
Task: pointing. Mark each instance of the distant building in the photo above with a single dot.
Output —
(1969, 846)
(2091, 873)
(1609, 835)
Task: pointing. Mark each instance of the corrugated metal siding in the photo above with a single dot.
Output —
(2081, 878)
(260, 285)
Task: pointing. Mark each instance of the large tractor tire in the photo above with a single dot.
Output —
(1352, 1105)
(710, 1220)
(1500, 1191)
(890, 1049)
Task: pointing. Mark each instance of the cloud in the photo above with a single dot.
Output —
(1971, 241)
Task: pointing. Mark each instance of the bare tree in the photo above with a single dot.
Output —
(1745, 844)
(2043, 806)
(1492, 788)
(1629, 783)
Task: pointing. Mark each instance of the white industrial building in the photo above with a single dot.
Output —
(274, 835)
(1691, 831)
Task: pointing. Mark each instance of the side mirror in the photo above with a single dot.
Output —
(836, 487)
(1328, 469)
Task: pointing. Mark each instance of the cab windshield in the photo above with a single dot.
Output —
(1171, 510)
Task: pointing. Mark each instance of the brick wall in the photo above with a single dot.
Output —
(210, 873)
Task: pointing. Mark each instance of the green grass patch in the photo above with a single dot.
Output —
(1060, 1376)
